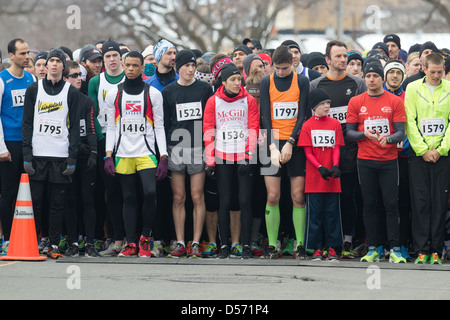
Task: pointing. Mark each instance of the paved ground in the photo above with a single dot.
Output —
(202, 280)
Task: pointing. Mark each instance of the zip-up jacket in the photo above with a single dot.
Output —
(428, 117)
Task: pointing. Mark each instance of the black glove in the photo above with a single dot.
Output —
(210, 171)
(28, 165)
(70, 169)
(92, 160)
(336, 172)
(325, 172)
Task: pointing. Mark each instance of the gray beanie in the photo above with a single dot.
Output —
(58, 53)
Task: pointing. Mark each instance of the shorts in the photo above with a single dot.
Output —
(186, 160)
(50, 171)
(296, 167)
(133, 165)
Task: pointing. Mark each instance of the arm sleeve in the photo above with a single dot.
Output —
(352, 134)
(3, 148)
(209, 122)
(90, 124)
(253, 125)
(335, 154)
(158, 120)
(415, 138)
(74, 122)
(111, 118)
(399, 133)
(303, 109)
(28, 119)
(311, 158)
(264, 109)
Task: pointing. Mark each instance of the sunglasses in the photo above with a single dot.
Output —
(74, 75)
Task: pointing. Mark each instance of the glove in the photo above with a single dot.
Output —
(109, 167)
(244, 168)
(210, 172)
(336, 171)
(325, 173)
(92, 160)
(161, 170)
(28, 166)
(70, 168)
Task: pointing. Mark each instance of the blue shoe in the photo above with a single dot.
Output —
(405, 254)
(381, 252)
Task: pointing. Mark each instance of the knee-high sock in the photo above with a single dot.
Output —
(299, 218)
(272, 224)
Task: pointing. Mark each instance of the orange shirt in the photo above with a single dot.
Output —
(284, 108)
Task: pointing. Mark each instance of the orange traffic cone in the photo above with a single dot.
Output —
(23, 241)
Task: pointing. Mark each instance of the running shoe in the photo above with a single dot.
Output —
(381, 253)
(63, 244)
(144, 247)
(72, 250)
(90, 251)
(81, 244)
(360, 251)
(332, 256)
(371, 256)
(318, 255)
(195, 251)
(347, 251)
(236, 250)
(422, 259)
(99, 245)
(210, 250)
(112, 251)
(224, 252)
(43, 245)
(289, 248)
(53, 252)
(247, 252)
(157, 248)
(300, 253)
(177, 252)
(257, 250)
(5, 247)
(405, 253)
(434, 258)
(270, 253)
(128, 251)
(395, 256)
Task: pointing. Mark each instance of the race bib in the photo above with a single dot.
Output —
(339, 113)
(323, 138)
(232, 134)
(432, 127)
(380, 125)
(285, 110)
(50, 127)
(189, 111)
(83, 128)
(18, 97)
(132, 126)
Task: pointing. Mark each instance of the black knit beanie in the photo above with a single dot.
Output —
(183, 57)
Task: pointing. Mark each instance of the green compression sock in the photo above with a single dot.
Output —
(299, 218)
(272, 223)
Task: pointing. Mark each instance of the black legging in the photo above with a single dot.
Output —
(130, 210)
(225, 187)
(80, 197)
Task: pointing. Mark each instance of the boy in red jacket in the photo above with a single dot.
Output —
(322, 137)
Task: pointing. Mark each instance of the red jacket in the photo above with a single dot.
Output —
(210, 126)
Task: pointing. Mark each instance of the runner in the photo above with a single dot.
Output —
(283, 108)
(135, 126)
(106, 186)
(425, 49)
(234, 115)
(394, 47)
(82, 188)
(298, 66)
(13, 83)
(375, 119)
(322, 137)
(51, 135)
(184, 104)
(341, 87)
(317, 62)
(427, 106)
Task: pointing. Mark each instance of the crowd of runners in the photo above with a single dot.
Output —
(253, 153)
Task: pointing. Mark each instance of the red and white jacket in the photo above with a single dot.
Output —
(230, 126)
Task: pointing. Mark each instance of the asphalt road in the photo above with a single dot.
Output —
(189, 281)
